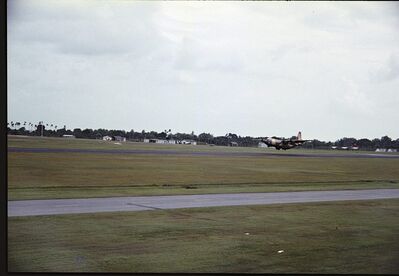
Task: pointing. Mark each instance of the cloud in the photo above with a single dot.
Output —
(388, 72)
(354, 99)
(253, 68)
(198, 56)
(70, 30)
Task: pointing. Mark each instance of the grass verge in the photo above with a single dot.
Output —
(74, 175)
(333, 237)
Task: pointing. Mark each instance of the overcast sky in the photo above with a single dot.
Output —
(328, 69)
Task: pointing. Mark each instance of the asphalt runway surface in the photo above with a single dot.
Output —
(201, 153)
(145, 203)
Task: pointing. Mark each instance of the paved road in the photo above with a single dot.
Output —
(202, 153)
(112, 204)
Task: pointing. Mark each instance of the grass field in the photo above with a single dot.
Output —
(339, 237)
(72, 175)
(52, 142)
(334, 237)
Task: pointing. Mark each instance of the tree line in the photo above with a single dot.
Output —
(52, 130)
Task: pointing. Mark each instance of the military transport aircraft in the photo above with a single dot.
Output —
(284, 143)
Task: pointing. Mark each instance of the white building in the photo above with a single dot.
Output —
(119, 138)
(68, 136)
(381, 150)
(107, 138)
(188, 142)
(159, 141)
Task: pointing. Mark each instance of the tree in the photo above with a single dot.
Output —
(386, 142)
(77, 132)
(40, 129)
(365, 144)
(88, 134)
(206, 138)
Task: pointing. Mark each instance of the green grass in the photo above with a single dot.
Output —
(52, 142)
(48, 142)
(72, 175)
(336, 237)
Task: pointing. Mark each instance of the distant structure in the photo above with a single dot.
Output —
(107, 138)
(68, 136)
(170, 141)
(354, 147)
(233, 144)
(119, 138)
(188, 142)
(262, 145)
(380, 150)
(160, 141)
(386, 150)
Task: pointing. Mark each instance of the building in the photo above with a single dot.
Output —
(107, 138)
(68, 136)
(381, 150)
(170, 141)
(160, 141)
(188, 142)
(233, 144)
(392, 150)
(119, 138)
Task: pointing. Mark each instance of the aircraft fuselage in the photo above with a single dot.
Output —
(283, 143)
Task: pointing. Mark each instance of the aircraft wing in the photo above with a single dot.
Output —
(301, 141)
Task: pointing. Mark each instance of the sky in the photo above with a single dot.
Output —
(328, 69)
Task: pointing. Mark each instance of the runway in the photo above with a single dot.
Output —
(203, 153)
(145, 203)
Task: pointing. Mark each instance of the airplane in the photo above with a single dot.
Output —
(284, 143)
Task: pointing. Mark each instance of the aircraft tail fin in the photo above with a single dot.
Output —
(299, 137)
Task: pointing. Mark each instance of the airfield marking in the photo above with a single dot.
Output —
(145, 206)
(200, 153)
(146, 203)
